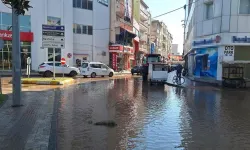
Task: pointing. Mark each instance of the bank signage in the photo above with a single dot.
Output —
(244, 39)
(24, 36)
(208, 41)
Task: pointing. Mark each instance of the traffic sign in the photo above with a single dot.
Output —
(53, 27)
(53, 39)
(53, 33)
(69, 55)
(53, 36)
(63, 61)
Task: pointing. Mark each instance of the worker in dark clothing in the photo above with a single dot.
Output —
(179, 70)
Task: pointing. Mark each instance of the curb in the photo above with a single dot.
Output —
(48, 82)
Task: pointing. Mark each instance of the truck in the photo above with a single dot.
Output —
(149, 58)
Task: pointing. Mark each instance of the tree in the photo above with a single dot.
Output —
(19, 5)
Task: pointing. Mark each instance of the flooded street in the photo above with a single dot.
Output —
(150, 117)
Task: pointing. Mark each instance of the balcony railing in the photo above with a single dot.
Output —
(143, 27)
(143, 16)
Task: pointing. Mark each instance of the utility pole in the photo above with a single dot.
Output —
(16, 60)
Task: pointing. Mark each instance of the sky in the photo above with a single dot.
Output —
(172, 20)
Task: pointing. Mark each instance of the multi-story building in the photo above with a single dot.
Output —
(174, 50)
(161, 37)
(145, 19)
(217, 33)
(122, 34)
(83, 39)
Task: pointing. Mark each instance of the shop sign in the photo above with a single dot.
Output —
(217, 39)
(241, 39)
(24, 36)
(114, 61)
(229, 51)
(114, 48)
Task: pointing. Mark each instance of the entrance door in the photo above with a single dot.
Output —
(198, 66)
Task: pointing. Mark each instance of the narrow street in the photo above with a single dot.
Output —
(147, 117)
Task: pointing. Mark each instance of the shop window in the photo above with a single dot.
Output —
(205, 65)
(6, 55)
(244, 7)
(57, 54)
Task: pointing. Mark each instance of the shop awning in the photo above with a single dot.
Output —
(237, 62)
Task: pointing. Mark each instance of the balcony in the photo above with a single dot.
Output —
(143, 16)
(143, 38)
(143, 27)
(123, 24)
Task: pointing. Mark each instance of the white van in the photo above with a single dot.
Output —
(94, 69)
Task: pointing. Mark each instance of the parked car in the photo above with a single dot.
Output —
(94, 69)
(46, 69)
(136, 70)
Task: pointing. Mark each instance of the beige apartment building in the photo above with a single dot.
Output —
(162, 38)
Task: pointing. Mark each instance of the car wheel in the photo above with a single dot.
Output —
(48, 74)
(85, 76)
(93, 75)
(73, 73)
(111, 74)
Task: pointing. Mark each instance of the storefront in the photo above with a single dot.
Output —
(121, 57)
(26, 39)
(203, 58)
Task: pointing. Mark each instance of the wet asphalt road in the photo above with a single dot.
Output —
(150, 117)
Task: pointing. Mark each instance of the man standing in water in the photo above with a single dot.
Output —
(178, 71)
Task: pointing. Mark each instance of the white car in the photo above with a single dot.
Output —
(46, 69)
(94, 69)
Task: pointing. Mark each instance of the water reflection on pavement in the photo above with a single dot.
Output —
(152, 117)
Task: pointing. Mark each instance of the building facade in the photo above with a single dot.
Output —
(217, 33)
(122, 35)
(161, 37)
(144, 35)
(83, 39)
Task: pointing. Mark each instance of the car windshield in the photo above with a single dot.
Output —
(84, 65)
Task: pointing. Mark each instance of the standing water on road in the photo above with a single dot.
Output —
(151, 117)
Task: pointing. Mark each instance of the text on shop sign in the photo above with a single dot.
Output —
(217, 39)
(241, 39)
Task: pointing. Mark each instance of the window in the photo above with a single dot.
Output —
(105, 67)
(57, 54)
(83, 4)
(82, 29)
(96, 65)
(6, 22)
(78, 29)
(209, 11)
(90, 30)
(84, 65)
(244, 7)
